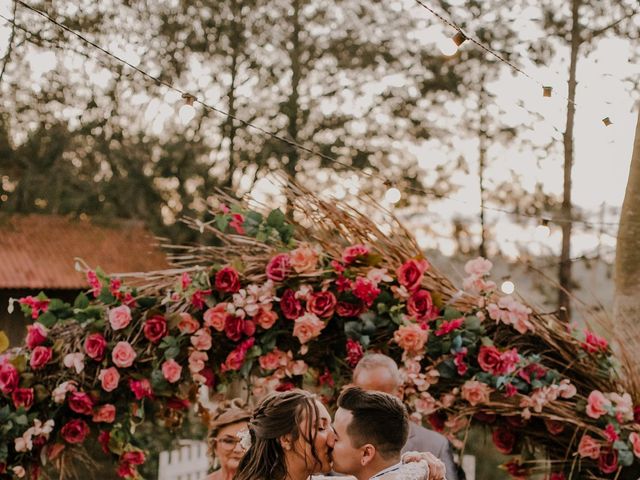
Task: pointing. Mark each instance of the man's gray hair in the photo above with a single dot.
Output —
(378, 360)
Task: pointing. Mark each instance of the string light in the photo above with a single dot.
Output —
(507, 287)
(187, 111)
(393, 195)
(542, 231)
(447, 47)
(459, 38)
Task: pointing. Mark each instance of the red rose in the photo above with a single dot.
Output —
(155, 328)
(9, 378)
(351, 254)
(485, 417)
(504, 440)
(126, 470)
(285, 387)
(533, 369)
(279, 267)
(227, 280)
(322, 304)
(133, 458)
(40, 356)
(22, 397)
(437, 421)
(36, 335)
(365, 290)
(489, 359)
(554, 427)
(141, 388)
(290, 306)
(420, 306)
(80, 403)
(346, 309)
(515, 421)
(75, 431)
(103, 440)
(636, 414)
(411, 272)
(608, 460)
(95, 346)
(354, 352)
(233, 327)
(235, 359)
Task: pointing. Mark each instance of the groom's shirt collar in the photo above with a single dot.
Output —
(390, 469)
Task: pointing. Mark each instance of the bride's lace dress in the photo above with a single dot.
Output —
(408, 471)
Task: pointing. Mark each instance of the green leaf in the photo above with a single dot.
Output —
(276, 219)
(81, 301)
(47, 319)
(625, 458)
(21, 420)
(448, 369)
(473, 324)
(105, 296)
(146, 302)
(222, 222)
(451, 313)
(56, 305)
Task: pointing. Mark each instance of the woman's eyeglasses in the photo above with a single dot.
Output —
(228, 442)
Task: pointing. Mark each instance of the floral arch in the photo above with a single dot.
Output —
(295, 304)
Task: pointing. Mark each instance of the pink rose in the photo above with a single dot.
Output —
(119, 317)
(479, 267)
(593, 343)
(80, 402)
(420, 306)
(411, 272)
(9, 378)
(306, 327)
(201, 340)
(141, 388)
(322, 304)
(597, 404)
(279, 267)
(105, 414)
(588, 447)
(634, 438)
(36, 335)
(303, 259)
(351, 254)
(227, 280)
(22, 397)
(109, 379)
(475, 392)
(448, 326)
(197, 361)
(187, 323)
(265, 318)
(273, 360)
(40, 356)
(123, 355)
(290, 305)
(216, 317)
(95, 346)
(155, 328)
(75, 431)
(171, 370)
(411, 338)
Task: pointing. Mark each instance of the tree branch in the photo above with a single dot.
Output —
(600, 31)
(7, 56)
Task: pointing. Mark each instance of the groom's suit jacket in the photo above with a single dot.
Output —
(423, 440)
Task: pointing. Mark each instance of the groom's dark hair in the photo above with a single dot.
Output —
(378, 418)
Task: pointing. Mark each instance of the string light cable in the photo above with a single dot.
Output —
(288, 141)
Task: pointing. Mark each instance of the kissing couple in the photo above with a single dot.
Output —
(292, 437)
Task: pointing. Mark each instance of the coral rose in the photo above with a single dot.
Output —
(119, 317)
(187, 324)
(303, 259)
(589, 447)
(307, 327)
(597, 404)
(105, 414)
(109, 379)
(411, 338)
(216, 317)
(265, 318)
(201, 340)
(123, 355)
(475, 392)
(171, 370)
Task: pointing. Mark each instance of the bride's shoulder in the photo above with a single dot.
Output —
(410, 471)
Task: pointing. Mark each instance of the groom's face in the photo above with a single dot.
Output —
(347, 458)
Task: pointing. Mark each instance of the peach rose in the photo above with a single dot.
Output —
(634, 438)
(297, 367)
(266, 318)
(411, 338)
(109, 379)
(216, 317)
(307, 326)
(426, 404)
(196, 361)
(201, 340)
(479, 266)
(105, 414)
(597, 404)
(475, 392)
(171, 370)
(187, 323)
(123, 355)
(273, 360)
(589, 447)
(119, 317)
(303, 259)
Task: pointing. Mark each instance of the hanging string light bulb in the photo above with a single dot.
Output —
(187, 111)
(543, 231)
(393, 195)
(459, 38)
(507, 287)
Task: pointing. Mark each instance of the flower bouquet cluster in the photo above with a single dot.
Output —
(283, 305)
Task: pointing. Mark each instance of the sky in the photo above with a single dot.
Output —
(602, 154)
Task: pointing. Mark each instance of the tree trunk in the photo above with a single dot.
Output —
(482, 163)
(564, 274)
(626, 302)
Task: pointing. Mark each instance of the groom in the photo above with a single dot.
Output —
(371, 429)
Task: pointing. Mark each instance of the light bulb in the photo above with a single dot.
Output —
(507, 287)
(393, 195)
(186, 113)
(542, 232)
(447, 46)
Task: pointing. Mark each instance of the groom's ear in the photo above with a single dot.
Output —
(285, 442)
(368, 453)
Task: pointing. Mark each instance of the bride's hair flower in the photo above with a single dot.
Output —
(245, 438)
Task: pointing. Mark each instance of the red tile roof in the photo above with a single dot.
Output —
(38, 251)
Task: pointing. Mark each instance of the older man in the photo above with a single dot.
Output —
(378, 372)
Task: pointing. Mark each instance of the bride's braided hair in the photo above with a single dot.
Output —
(277, 415)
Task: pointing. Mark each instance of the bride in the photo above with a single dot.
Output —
(291, 438)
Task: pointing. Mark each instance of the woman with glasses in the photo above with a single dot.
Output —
(226, 426)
